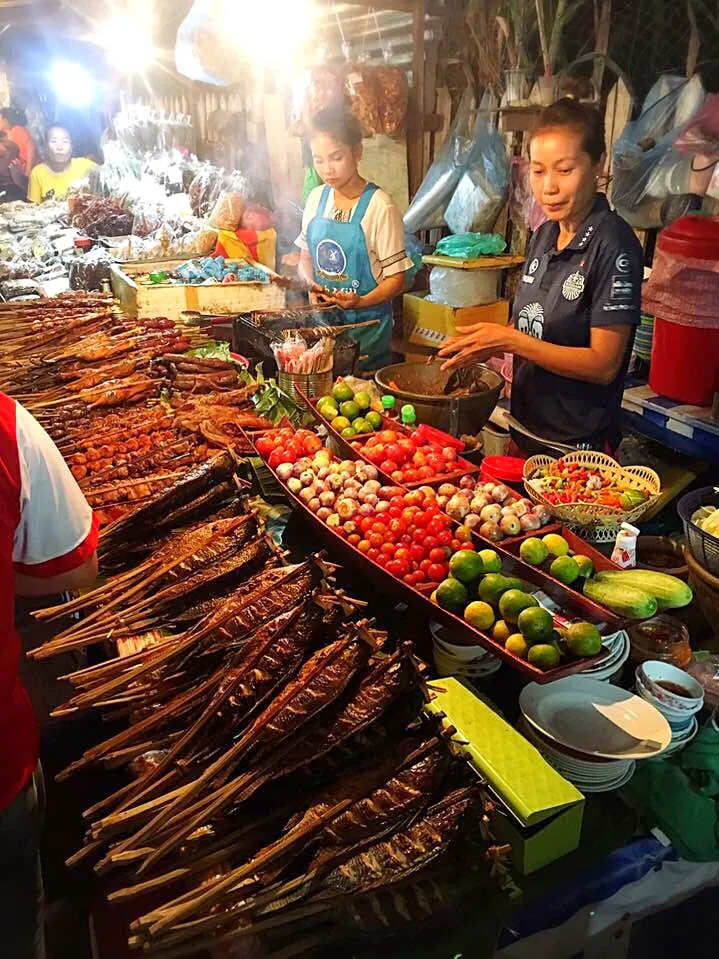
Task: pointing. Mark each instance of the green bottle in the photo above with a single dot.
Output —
(408, 417)
(388, 403)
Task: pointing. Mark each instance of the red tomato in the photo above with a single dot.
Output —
(467, 546)
(449, 453)
(455, 545)
(419, 459)
(393, 568)
(402, 567)
(372, 554)
(409, 579)
(397, 501)
(413, 498)
(419, 577)
(382, 561)
(395, 453)
(375, 540)
(277, 456)
(426, 472)
(397, 475)
(403, 554)
(429, 542)
(437, 572)
(425, 566)
(416, 552)
(387, 436)
(378, 527)
(444, 537)
(354, 539)
(364, 546)
(411, 475)
(397, 526)
(356, 446)
(407, 444)
(388, 466)
(375, 455)
(264, 446)
(406, 540)
(435, 526)
(418, 536)
(408, 515)
(388, 549)
(365, 523)
(438, 555)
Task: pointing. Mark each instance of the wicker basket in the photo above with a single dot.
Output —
(705, 587)
(595, 514)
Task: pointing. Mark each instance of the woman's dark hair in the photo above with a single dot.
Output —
(339, 123)
(570, 114)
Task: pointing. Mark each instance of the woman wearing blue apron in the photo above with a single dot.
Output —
(352, 240)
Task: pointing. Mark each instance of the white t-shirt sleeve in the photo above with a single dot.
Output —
(385, 234)
(308, 214)
(55, 518)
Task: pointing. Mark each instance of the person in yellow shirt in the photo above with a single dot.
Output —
(51, 180)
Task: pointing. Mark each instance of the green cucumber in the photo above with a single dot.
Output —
(624, 600)
(669, 592)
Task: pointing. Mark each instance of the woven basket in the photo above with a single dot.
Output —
(705, 587)
(595, 514)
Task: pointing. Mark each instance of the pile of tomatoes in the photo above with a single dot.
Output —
(287, 445)
(412, 538)
(408, 459)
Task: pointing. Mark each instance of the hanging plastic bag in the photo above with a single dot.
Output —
(392, 95)
(652, 179)
(700, 139)
(204, 190)
(429, 203)
(364, 102)
(414, 251)
(523, 208)
(481, 193)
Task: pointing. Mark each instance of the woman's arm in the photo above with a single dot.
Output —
(597, 363)
(385, 291)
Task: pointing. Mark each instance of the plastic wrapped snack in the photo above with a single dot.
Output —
(227, 211)
(360, 87)
(392, 94)
(88, 272)
(205, 189)
(319, 88)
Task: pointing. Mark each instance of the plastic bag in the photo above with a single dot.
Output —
(481, 193)
(364, 102)
(457, 288)
(429, 203)
(700, 138)
(471, 246)
(227, 211)
(204, 190)
(414, 251)
(523, 208)
(652, 179)
(392, 95)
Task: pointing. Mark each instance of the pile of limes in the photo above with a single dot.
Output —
(349, 413)
(552, 552)
(504, 608)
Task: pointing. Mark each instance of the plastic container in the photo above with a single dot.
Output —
(685, 358)
(663, 638)
(624, 553)
(457, 287)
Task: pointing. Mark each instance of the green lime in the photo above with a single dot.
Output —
(544, 656)
(583, 639)
(374, 419)
(452, 595)
(556, 544)
(491, 561)
(586, 566)
(361, 425)
(491, 587)
(513, 602)
(341, 392)
(348, 432)
(363, 400)
(480, 615)
(517, 644)
(466, 566)
(535, 624)
(350, 410)
(340, 423)
(501, 631)
(328, 409)
(565, 569)
(533, 551)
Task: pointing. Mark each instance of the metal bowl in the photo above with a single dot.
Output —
(422, 385)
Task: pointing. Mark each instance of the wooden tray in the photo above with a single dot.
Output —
(573, 604)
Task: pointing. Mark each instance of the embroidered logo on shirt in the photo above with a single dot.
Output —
(331, 259)
(622, 289)
(533, 265)
(623, 264)
(531, 320)
(573, 286)
(531, 269)
(585, 236)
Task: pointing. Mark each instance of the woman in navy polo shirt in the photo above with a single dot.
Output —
(579, 298)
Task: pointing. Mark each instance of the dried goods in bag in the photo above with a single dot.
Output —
(392, 95)
(364, 102)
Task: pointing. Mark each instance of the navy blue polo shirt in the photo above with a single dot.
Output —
(594, 281)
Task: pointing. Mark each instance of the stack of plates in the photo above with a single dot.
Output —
(587, 774)
(643, 338)
(469, 662)
(590, 731)
(610, 666)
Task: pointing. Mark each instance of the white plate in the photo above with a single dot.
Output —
(607, 667)
(606, 787)
(595, 770)
(565, 712)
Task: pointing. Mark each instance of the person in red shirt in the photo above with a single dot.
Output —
(48, 540)
(13, 124)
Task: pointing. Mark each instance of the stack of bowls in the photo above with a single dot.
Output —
(469, 662)
(677, 696)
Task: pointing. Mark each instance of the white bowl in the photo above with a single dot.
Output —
(677, 719)
(653, 672)
(654, 694)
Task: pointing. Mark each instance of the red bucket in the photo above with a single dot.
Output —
(685, 362)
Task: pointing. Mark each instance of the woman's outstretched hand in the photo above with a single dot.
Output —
(475, 344)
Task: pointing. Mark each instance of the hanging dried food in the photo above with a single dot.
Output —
(361, 89)
(392, 94)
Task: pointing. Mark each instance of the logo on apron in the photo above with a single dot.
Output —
(573, 286)
(331, 259)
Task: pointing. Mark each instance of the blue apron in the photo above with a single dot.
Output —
(341, 261)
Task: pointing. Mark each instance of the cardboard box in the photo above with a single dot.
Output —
(430, 324)
(540, 813)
